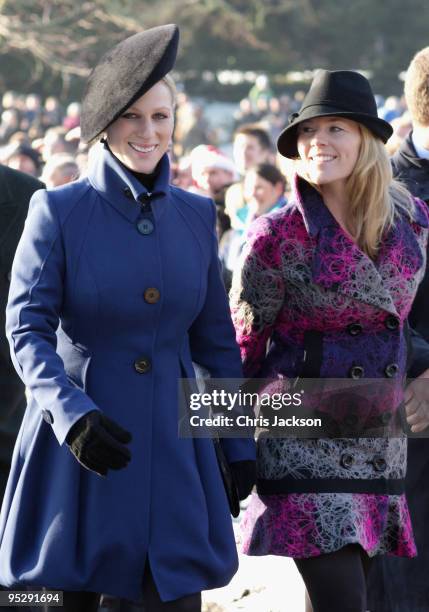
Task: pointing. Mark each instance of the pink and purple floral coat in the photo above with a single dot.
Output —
(303, 277)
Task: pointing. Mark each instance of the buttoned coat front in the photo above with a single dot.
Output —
(87, 258)
(326, 308)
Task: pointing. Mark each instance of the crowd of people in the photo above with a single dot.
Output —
(322, 251)
(42, 138)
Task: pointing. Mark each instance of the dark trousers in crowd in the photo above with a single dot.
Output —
(399, 584)
(336, 582)
(90, 602)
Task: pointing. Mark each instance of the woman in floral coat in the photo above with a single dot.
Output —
(328, 282)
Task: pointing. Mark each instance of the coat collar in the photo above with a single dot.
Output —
(5, 194)
(121, 188)
(411, 169)
(339, 265)
(406, 156)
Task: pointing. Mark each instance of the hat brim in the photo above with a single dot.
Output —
(286, 143)
(124, 74)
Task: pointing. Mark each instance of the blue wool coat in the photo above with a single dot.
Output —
(86, 258)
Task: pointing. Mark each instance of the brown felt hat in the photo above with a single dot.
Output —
(124, 74)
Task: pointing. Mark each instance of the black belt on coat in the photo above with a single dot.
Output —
(288, 484)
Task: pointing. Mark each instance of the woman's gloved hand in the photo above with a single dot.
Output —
(97, 442)
(244, 474)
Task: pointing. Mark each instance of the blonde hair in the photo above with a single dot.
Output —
(169, 82)
(417, 87)
(374, 196)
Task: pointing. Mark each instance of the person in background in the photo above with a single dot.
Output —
(181, 173)
(324, 291)
(261, 90)
(32, 116)
(52, 113)
(197, 129)
(115, 292)
(244, 114)
(401, 128)
(16, 189)
(251, 146)
(60, 169)
(21, 138)
(72, 117)
(212, 171)
(24, 158)
(56, 141)
(264, 188)
(395, 586)
(8, 100)
(276, 118)
(9, 124)
(391, 109)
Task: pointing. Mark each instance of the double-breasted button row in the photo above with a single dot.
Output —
(142, 365)
(390, 371)
(151, 295)
(378, 462)
(391, 322)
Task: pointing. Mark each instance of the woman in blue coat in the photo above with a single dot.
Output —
(115, 291)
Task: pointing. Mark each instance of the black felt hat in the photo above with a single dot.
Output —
(342, 93)
(124, 74)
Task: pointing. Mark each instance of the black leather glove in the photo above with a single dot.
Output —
(244, 474)
(97, 442)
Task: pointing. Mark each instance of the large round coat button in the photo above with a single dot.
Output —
(379, 463)
(347, 460)
(145, 226)
(142, 365)
(391, 322)
(391, 370)
(151, 295)
(354, 329)
(356, 372)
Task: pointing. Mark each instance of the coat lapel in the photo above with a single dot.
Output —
(339, 265)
